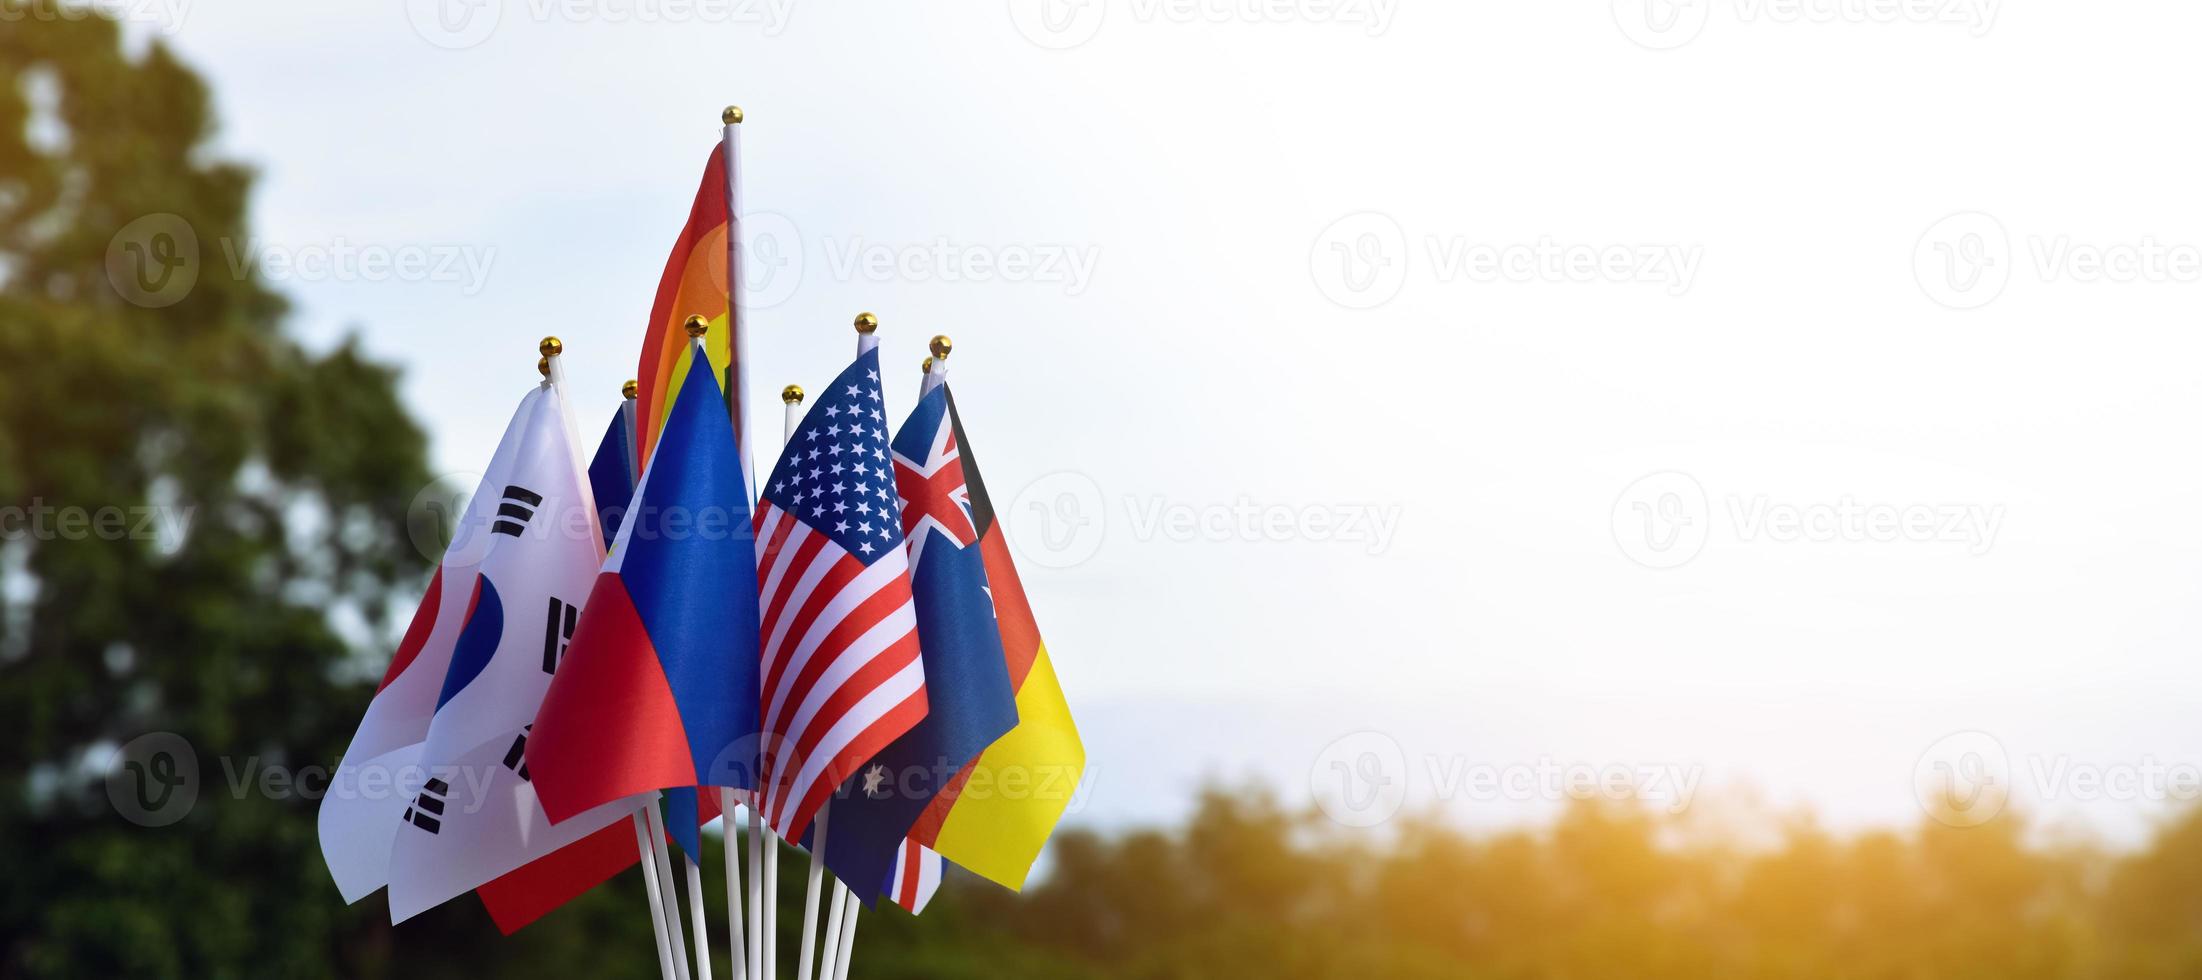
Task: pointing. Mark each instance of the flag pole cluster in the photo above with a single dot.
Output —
(843, 647)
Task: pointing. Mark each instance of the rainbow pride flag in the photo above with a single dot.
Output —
(695, 283)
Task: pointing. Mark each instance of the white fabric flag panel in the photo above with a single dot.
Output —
(476, 815)
(380, 770)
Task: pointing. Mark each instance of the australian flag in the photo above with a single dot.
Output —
(972, 701)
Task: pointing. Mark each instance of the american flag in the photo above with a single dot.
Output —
(841, 673)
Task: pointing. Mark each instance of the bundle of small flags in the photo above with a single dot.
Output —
(845, 644)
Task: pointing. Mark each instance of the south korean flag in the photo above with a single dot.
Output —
(475, 816)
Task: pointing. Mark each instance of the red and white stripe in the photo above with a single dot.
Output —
(841, 675)
(916, 878)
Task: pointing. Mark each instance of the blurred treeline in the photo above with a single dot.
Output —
(257, 635)
(1250, 889)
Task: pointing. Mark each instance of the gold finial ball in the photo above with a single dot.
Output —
(698, 326)
(866, 323)
(542, 366)
(791, 395)
(940, 346)
(628, 390)
(550, 347)
(731, 115)
(926, 367)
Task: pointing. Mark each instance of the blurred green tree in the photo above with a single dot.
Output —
(143, 373)
(276, 476)
(136, 379)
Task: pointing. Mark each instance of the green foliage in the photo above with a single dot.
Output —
(222, 634)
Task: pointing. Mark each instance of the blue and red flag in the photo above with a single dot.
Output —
(966, 676)
(659, 686)
(613, 474)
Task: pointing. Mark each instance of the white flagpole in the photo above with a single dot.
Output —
(756, 892)
(793, 399)
(812, 882)
(935, 371)
(759, 947)
(553, 368)
(848, 942)
(676, 938)
(695, 915)
(791, 417)
(657, 900)
(737, 345)
(772, 903)
(738, 958)
(834, 911)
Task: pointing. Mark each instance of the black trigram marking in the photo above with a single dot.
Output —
(557, 632)
(427, 809)
(516, 757)
(517, 510)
